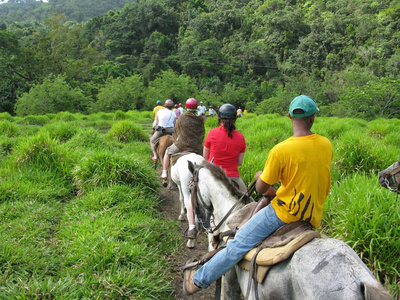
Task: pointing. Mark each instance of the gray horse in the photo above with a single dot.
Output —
(322, 269)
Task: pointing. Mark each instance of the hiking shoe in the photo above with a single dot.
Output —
(191, 234)
(189, 288)
(164, 174)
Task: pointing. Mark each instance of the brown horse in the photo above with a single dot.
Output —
(163, 143)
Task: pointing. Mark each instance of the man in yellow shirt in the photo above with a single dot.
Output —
(302, 165)
(155, 110)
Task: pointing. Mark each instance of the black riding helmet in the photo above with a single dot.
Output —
(227, 111)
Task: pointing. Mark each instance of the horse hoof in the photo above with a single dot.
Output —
(190, 244)
(181, 218)
(165, 184)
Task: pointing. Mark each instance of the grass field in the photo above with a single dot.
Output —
(79, 205)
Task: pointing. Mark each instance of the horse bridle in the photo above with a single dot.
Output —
(196, 196)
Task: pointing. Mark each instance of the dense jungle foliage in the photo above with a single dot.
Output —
(257, 54)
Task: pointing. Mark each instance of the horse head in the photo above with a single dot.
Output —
(390, 177)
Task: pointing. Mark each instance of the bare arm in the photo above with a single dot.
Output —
(268, 191)
(240, 159)
(206, 152)
(261, 186)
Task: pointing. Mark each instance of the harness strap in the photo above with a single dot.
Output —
(218, 288)
(227, 214)
(253, 275)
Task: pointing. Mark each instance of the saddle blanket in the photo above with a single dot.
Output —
(277, 247)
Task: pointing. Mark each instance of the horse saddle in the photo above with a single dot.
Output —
(174, 157)
(277, 247)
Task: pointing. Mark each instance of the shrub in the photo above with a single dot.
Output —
(102, 116)
(120, 94)
(87, 138)
(6, 145)
(52, 96)
(106, 168)
(126, 131)
(34, 120)
(42, 152)
(61, 131)
(8, 129)
(65, 116)
(120, 115)
(5, 116)
(170, 85)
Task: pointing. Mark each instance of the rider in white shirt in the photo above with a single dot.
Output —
(201, 109)
(165, 122)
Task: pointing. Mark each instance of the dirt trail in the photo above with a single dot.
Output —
(171, 209)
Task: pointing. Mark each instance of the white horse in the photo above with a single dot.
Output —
(322, 269)
(181, 175)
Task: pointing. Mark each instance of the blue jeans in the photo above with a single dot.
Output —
(261, 225)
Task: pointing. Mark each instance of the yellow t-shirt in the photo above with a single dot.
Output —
(303, 166)
(156, 109)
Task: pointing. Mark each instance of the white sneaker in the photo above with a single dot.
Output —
(164, 174)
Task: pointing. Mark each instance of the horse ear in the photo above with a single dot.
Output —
(190, 166)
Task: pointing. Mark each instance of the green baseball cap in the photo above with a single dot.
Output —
(305, 103)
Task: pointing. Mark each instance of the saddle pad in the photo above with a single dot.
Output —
(270, 256)
(175, 157)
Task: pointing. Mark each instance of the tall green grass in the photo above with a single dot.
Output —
(43, 152)
(80, 216)
(127, 131)
(367, 217)
(79, 205)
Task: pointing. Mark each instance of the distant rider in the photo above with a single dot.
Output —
(155, 110)
(201, 109)
(165, 122)
(211, 112)
(177, 112)
(189, 134)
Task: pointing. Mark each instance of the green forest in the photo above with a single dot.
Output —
(104, 56)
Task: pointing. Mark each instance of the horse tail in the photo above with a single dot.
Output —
(372, 292)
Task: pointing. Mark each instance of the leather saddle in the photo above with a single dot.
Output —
(277, 247)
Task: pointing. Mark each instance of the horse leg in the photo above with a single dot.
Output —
(230, 286)
(190, 243)
(182, 214)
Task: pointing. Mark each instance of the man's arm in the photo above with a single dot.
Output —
(268, 192)
(261, 186)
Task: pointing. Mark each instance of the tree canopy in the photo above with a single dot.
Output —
(250, 53)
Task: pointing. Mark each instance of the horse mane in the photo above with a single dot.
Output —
(220, 175)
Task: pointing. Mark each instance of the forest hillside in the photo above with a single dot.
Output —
(254, 54)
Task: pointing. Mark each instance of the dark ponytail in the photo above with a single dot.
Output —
(229, 125)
